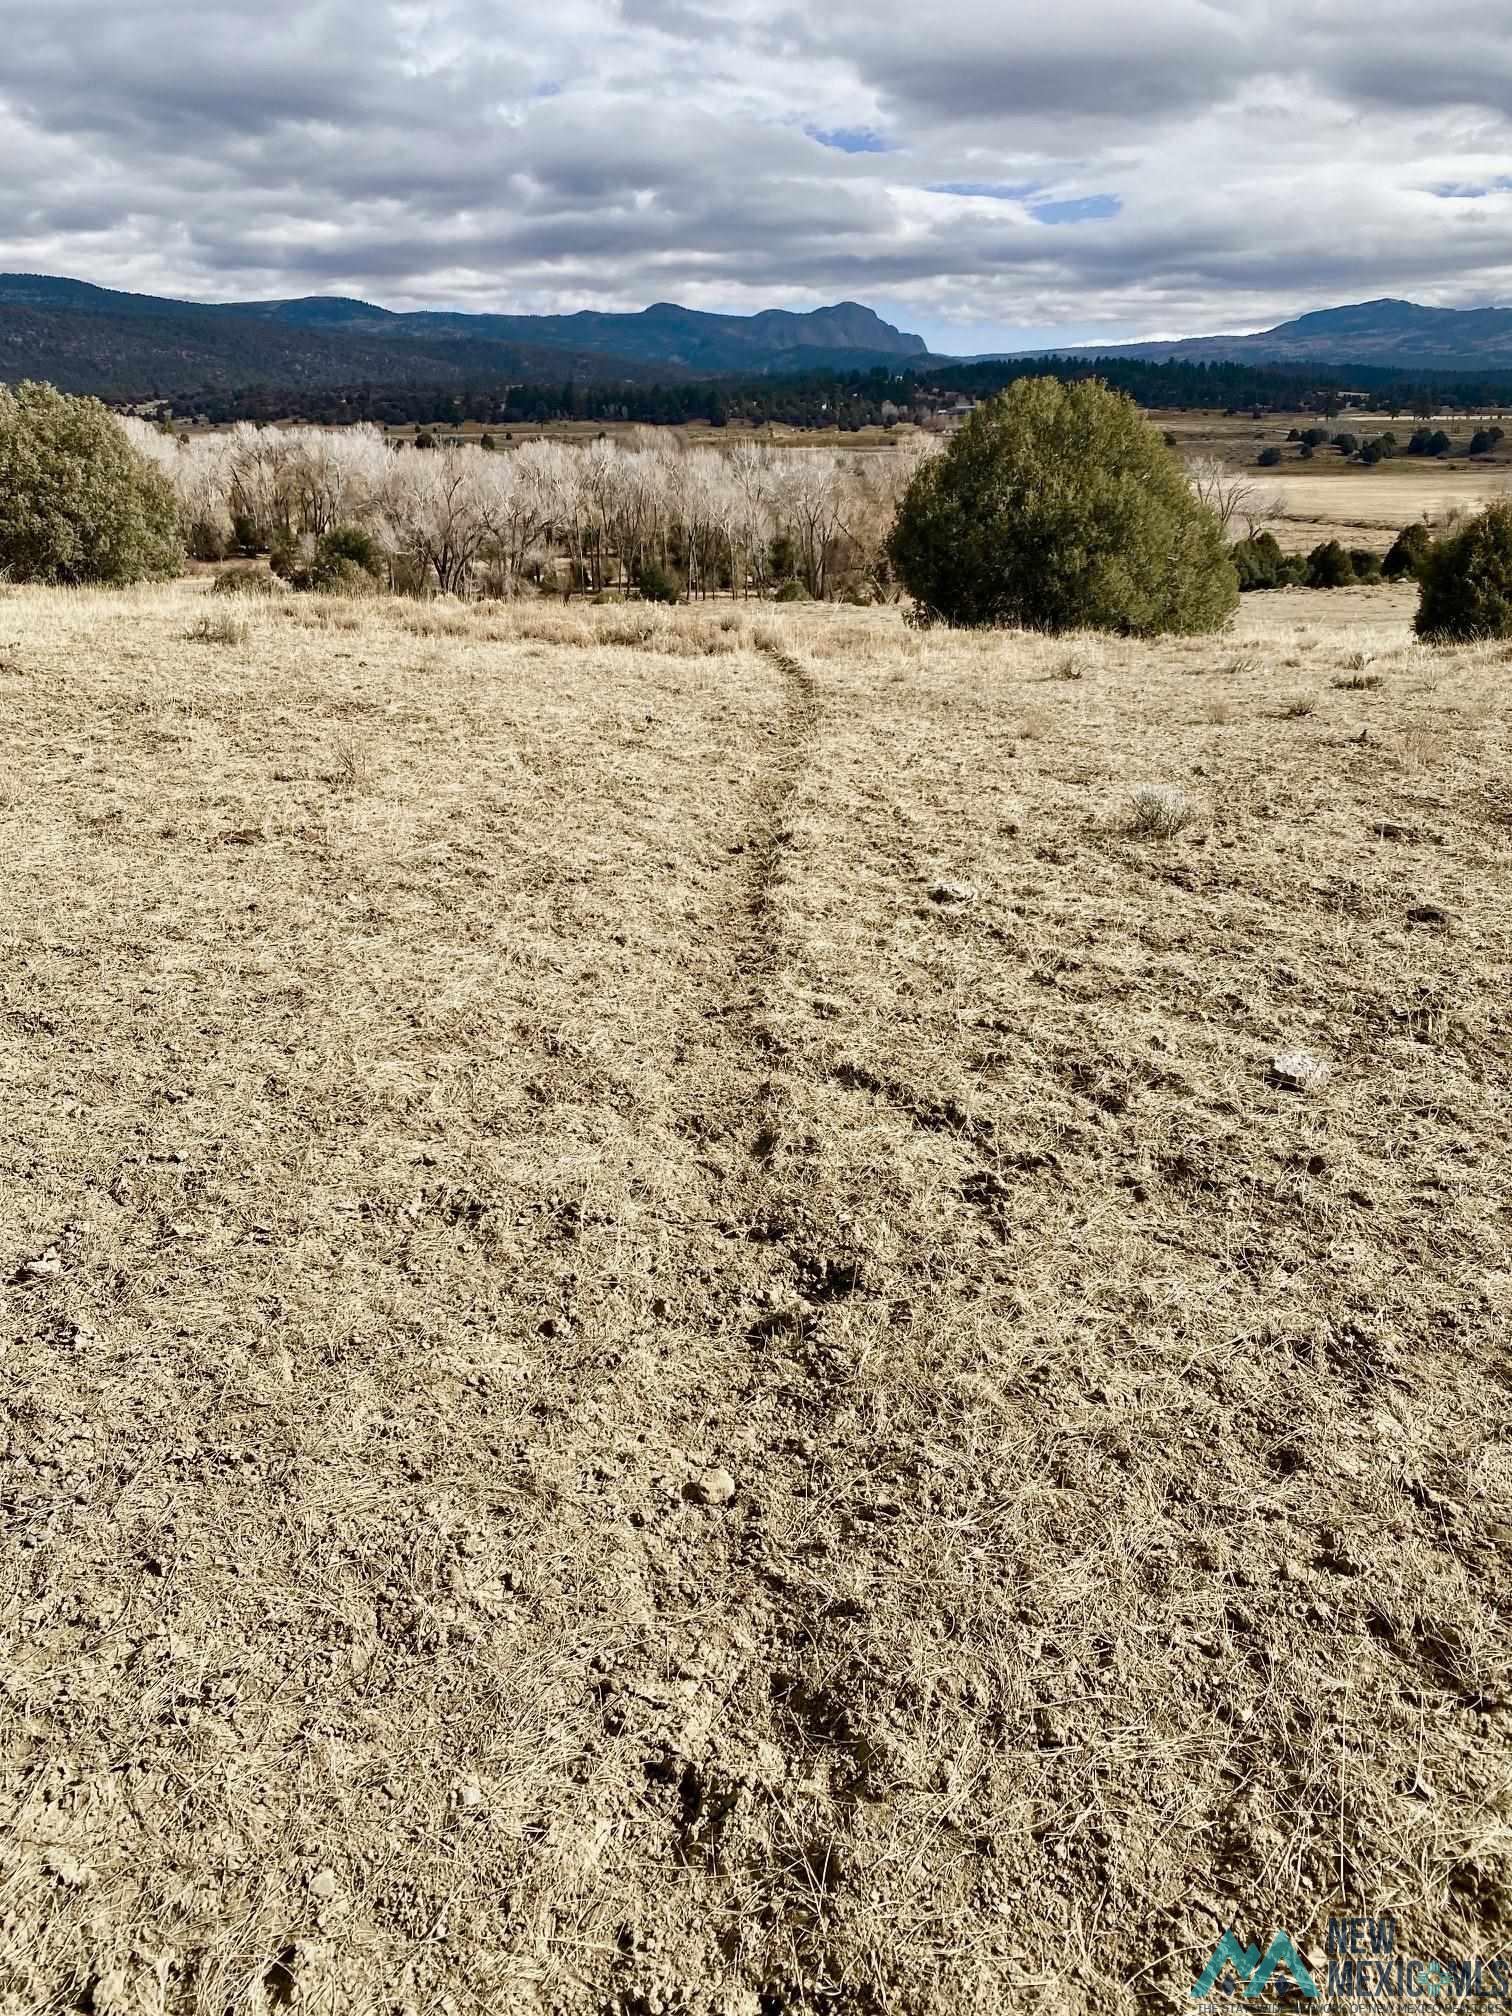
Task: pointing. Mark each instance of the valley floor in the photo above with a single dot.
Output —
(671, 1347)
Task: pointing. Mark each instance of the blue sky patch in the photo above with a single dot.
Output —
(1076, 209)
(1001, 192)
(852, 139)
(1048, 209)
(1463, 191)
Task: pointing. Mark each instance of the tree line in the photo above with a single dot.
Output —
(872, 396)
(598, 517)
(1056, 506)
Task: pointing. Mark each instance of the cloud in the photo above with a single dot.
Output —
(1091, 169)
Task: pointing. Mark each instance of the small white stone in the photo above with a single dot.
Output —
(1299, 1071)
(713, 1487)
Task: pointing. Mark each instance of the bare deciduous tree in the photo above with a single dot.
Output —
(475, 521)
(1227, 493)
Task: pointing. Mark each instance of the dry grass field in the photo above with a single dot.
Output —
(1384, 499)
(1332, 498)
(733, 1312)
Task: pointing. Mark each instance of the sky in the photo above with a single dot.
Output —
(985, 172)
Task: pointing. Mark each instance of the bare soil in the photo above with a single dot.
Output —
(681, 1338)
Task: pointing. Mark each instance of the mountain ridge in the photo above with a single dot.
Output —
(1386, 331)
(126, 346)
(94, 339)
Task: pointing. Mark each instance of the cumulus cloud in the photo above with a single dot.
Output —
(983, 175)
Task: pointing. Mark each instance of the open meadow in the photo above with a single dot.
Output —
(1369, 506)
(728, 1311)
(1332, 497)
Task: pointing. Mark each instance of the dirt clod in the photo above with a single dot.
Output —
(712, 1487)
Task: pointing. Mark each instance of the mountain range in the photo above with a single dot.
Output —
(92, 339)
(1386, 332)
(140, 346)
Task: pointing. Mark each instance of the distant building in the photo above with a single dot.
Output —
(946, 419)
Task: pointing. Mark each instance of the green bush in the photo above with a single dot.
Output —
(284, 556)
(1259, 562)
(1328, 566)
(1365, 565)
(792, 591)
(335, 574)
(1057, 507)
(207, 541)
(1428, 441)
(350, 542)
(244, 581)
(78, 504)
(782, 557)
(1408, 551)
(1269, 458)
(1466, 582)
(657, 583)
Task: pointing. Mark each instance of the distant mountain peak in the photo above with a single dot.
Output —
(1387, 331)
(89, 338)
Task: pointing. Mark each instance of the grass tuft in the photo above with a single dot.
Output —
(1073, 665)
(219, 630)
(1159, 812)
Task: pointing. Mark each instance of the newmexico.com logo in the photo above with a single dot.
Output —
(1254, 1974)
(1363, 1966)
